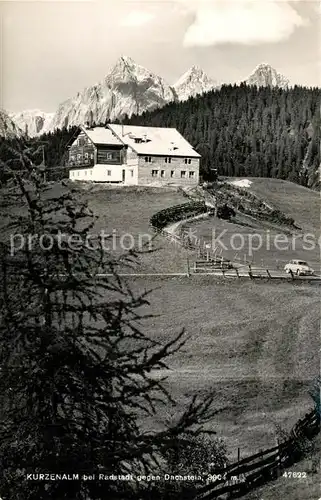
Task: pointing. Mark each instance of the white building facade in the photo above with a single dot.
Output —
(132, 155)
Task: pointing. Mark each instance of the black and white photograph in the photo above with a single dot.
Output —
(160, 235)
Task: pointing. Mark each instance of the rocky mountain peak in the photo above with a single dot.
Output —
(264, 75)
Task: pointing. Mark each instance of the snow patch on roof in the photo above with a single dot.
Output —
(102, 135)
(155, 140)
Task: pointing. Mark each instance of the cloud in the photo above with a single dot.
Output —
(240, 21)
(137, 18)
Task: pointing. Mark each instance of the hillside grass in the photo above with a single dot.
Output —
(255, 345)
(294, 201)
(128, 211)
(303, 488)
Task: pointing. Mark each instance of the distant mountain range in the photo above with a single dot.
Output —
(33, 121)
(129, 89)
(8, 129)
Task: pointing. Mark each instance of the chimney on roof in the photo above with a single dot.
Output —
(91, 118)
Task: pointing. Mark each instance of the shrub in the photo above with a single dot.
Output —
(225, 212)
(195, 455)
(177, 213)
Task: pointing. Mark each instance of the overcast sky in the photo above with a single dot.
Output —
(50, 50)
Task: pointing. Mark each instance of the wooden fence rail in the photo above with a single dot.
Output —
(209, 263)
(255, 470)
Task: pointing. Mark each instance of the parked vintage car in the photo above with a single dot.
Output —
(298, 267)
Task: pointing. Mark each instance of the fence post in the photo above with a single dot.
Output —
(278, 469)
(237, 272)
(188, 268)
(269, 274)
(238, 461)
(250, 272)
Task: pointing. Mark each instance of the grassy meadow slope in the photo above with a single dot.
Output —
(296, 201)
(293, 200)
(255, 344)
(128, 211)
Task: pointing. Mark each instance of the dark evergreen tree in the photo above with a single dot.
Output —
(77, 372)
(243, 130)
(238, 130)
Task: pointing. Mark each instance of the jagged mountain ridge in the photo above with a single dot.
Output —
(130, 89)
(33, 121)
(266, 76)
(8, 129)
(194, 82)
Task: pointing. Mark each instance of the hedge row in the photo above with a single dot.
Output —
(177, 213)
(250, 204)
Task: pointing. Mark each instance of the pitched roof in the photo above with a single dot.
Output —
(102, 135)
(156, 140)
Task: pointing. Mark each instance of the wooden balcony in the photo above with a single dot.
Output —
(84, 163)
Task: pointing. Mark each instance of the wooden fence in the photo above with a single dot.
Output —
(237, 479)
(208, 266)
(226, 269)
(210, 263)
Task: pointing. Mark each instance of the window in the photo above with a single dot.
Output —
(78, 173)
(148, 159)
(78, 157)
(185, 160)
(183, 174)
(189, 161)
(109, 156)
(86, 156)
(91, 156)
(168, 160)
(162, 173)
(191, 175)
(109, 173)
(72, 158)
(154, 173)
(132, 173)
(81, 141)
(172, 173)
